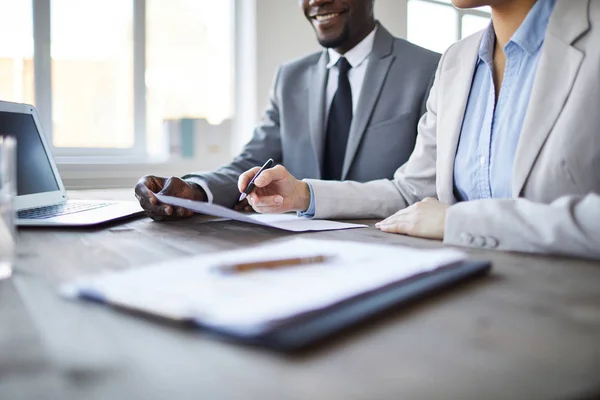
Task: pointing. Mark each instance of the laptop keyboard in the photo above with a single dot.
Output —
(59, 209)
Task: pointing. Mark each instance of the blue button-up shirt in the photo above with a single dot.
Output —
(490, 133)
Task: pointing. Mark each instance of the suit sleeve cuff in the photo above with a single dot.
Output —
(310, 212)
(204, 186)
(467, 226)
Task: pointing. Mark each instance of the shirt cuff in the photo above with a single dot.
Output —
(310, 213)
(204, 186)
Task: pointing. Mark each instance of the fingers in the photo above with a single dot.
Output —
(153, 183)
(243, 206)
(400, 222)
(144, 192)
(266, 201)
(159, 212)
(145, 189)
(182, 212)
(175, 187)
(245, 178)
(148, 200)
(265, 178)
(276, 173)
(267, 204)
(169, 213)
(401, 226)
(393, 217)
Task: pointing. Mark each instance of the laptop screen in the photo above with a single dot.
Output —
(34, 172)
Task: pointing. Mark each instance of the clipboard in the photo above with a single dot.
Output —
(274, 309)
(316, 327)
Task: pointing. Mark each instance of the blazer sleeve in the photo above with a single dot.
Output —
(265, 144)
(412, 182)
(568, 226)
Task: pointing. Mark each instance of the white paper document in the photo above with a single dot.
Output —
(287, 222)
(245, 302)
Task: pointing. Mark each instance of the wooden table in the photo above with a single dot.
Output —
(530, 330)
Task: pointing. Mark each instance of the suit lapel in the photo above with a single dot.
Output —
(316, 107)
(557, 70)
(380, 61)
(455, 89)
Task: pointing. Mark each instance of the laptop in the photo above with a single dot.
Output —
(41, 197)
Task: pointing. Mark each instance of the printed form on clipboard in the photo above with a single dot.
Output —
(248, 303)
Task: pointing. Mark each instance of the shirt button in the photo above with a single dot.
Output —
(482, 160)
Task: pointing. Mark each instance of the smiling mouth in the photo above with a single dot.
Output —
(326, 17)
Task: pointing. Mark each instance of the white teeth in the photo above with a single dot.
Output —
(326, 17)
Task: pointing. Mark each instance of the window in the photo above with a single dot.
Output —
(189, 68)
(92, 73)
(116, 70)
(473, 23)
(16, 54)
(436, 24)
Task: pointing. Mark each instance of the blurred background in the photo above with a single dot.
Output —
(126, 88)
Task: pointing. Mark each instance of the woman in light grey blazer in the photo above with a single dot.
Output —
(508, 152)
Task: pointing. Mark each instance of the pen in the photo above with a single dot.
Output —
(271, 264)
(251, 186)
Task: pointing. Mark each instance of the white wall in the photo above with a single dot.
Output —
(281, 33)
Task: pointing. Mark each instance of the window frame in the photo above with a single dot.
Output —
(42, 59)
(43, 84)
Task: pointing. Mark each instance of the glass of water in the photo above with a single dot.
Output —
(8, 185)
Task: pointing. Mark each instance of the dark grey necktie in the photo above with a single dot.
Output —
(338, 125)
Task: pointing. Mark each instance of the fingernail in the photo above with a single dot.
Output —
(250, 200)
(278, 199)
(153, 201)
(180, 212)
(168, 210)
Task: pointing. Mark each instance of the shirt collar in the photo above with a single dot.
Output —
(532, 31)
(488, 41)
(356, 55)
(529, 36)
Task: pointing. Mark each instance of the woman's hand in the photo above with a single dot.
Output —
(426, 219)
(277, 191)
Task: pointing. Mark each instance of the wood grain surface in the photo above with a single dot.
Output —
(530, 330)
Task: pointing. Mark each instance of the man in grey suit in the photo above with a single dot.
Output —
(349, 112)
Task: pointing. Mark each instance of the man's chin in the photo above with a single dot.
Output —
(330, 44)
(333, 42)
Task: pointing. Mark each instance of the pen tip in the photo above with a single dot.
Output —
(243, 196)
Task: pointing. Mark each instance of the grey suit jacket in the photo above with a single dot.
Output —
(556, 176)
(383, 132)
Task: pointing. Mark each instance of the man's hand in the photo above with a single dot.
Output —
(148, 185)
(243, 206)
(277, 191)
(426, 219)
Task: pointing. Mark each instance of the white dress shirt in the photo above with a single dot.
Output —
(358, 57)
